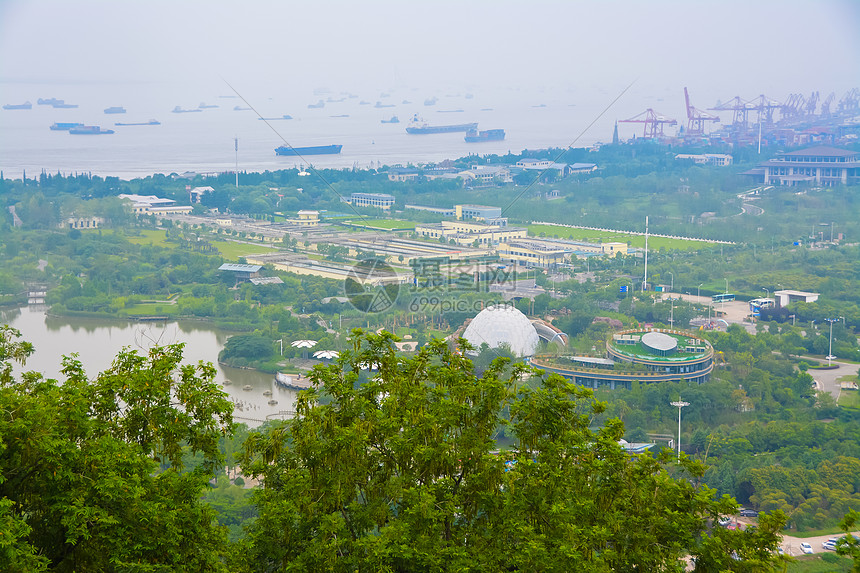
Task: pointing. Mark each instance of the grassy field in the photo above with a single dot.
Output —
(384, 224)
(150, 309)
(232, 250)
(815, 564)
(590, 236)
(154, 237)
(850, 398)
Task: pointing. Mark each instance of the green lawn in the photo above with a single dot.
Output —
(155, 237)
(150, 309)
(232, 250)
(850, 398)
(590, 236)
(815, 564)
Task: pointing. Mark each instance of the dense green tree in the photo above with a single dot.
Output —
(90, 474)
(401, 473)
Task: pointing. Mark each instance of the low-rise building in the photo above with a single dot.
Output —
(465, 233)
(241, 272)
(306, 218)
(378, 200)
(152, 205)
(823, 165)
(482, 213)
(544, 253)
(533, 253)
(197, 193)
(786, 297)
(82, 223)
(447, 212)
(490, 174)
(711, 159)
(401, 174)
(579, 168)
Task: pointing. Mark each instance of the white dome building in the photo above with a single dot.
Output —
(497, 325)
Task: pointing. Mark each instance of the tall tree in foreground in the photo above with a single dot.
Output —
(402, 473)
(82, 479)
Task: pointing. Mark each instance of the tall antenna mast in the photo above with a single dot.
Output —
(236, 147)
(645, 281)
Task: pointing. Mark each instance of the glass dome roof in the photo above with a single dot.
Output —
(497, 325)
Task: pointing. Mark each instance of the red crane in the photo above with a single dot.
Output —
(696, 118)
(653, 121)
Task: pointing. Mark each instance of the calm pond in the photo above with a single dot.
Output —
(97, 341)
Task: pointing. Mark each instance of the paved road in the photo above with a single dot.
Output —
(790, 544)
(826, 380)
(735, 312)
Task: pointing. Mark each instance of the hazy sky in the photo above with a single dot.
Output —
(718, 49)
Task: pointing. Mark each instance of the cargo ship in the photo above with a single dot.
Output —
(65, 126)
(25, 105)
(393, 119)
(89, 130)
(419, 127)
(178, 109)
(150, 122)
(115, 109)
(314, 150)
(56, 103)
(475, 136)
(285, 116)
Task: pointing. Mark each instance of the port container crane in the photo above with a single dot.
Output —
(696, 118)
(740, 108)
(825, 105)
(653, 121)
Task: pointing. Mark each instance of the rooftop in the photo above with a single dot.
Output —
(237, 268)
(822, 151)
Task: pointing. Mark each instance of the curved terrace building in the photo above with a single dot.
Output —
(642, 355)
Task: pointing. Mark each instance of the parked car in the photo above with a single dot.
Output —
(724, 521)
(829, 545)
(806, 548)
(748, 512)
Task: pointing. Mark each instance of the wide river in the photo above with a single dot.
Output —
(97, 341)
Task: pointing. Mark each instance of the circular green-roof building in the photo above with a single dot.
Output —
(641, 355)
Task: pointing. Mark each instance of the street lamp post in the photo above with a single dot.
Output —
(727, 285)
(672, 315)
(698, 290)
(830, 356)
(679, 405)
(766, 292)
(672, 287)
